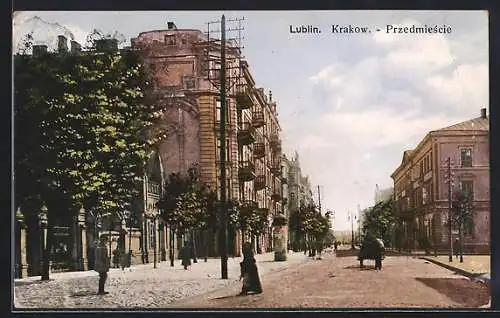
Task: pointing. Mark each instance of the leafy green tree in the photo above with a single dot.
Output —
(84, 130)
(379, 220)
(462, 214)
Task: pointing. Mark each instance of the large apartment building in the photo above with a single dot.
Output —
(421, 190)
(186, 83)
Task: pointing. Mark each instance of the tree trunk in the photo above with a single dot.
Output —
(172, 246)
(193, 238)
(205, 244)
(460, 243)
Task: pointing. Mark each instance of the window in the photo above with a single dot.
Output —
(184, 41)
(152, 235)
(425, 195)
(170, 39)
(467, 186)
(466, 157)
(228, 152)
(217, 111)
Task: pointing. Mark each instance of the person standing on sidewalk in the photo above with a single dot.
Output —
(249, 272)
(457, 247)
(102, 263)
(186, 254)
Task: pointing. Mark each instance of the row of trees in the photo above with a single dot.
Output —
(312, 229)
(384, 220)
(83, 132)
(188, 205)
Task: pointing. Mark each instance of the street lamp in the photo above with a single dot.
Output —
(448, 179)
(44, 260)
(351, 217)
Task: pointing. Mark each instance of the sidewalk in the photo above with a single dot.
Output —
(164, 266)
(143, 286)
(475, 267)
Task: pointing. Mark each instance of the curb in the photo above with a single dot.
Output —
(456, 270)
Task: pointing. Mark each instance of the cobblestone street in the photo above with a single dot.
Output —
(143, 287)
(339, 283)
(299, 282)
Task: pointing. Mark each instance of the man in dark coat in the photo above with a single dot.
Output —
(249, 272)
(378, 246)
(102, 263)
(186, 255)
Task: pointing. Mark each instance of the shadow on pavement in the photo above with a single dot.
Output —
(228, 297)
(462, 291)
(84, 293)
(364, 268)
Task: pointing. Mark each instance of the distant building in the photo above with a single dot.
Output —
(421, 192)
(299, 193)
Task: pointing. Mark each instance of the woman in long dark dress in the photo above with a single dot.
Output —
(249, 272)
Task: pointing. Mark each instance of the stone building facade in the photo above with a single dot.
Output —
(299, 193)
(186, 84)
(421, 189)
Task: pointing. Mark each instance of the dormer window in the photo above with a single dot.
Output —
(170, 39)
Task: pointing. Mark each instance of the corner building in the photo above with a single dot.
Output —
(185, 82)
(421, 190)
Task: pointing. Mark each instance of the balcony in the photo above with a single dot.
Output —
(258, 119)
(260, 182)
(276, 195)
(243, 96)
(259, 150)
(246, 171)
(246, 134)
(275, 142)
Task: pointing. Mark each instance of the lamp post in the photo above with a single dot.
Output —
(351, 218)
(44, 259)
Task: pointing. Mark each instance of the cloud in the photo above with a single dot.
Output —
(382, 103)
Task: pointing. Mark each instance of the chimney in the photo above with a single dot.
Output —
(39, 50)
(483, 113)
(75, 47)
(62, 44)
(171, 25)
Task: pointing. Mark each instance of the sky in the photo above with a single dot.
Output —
(350, 104)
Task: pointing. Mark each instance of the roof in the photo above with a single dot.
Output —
(479, 123)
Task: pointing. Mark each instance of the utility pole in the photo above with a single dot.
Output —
(450, 252)
(319, 199)
(224, 83)
(222, 137)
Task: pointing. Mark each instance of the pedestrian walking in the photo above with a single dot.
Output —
(335, 245)
(102, 263)
(116, 257)
(249, 272)
(379, 253)
(186, 254)
(124, 257)
(457, 247)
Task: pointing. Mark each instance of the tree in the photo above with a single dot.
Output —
(379, 220)
(462, 213)
(90, 133)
